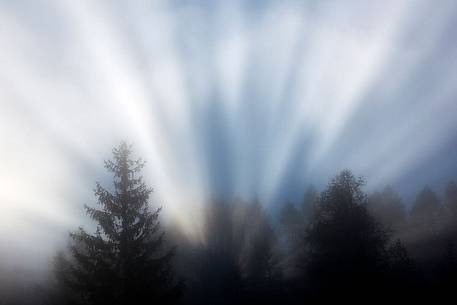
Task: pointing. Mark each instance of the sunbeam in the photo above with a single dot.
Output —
(222, 99)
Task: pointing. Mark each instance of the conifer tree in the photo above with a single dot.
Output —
(347, 251)
(126, 260)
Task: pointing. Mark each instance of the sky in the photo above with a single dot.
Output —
(256, 99)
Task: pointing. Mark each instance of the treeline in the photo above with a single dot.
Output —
(338, 244)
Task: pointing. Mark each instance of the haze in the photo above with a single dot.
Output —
(221, 98)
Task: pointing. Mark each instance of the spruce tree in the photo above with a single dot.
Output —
(348, 252)
(126, 260)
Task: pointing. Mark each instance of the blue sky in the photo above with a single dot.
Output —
(222, 98)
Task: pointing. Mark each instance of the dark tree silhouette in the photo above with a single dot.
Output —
(347, 251)
(125, 261)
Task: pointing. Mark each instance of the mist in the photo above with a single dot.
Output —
(236, 105)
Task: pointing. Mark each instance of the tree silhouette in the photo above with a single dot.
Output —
(292, 225)
(260, 258)
(293, 221)
(450, 201)
(388, 208)
(426, 212)
(260, 261)
(309, 202)
(125, 261)
(347, 251)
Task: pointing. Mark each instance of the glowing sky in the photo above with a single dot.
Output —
(225, 98)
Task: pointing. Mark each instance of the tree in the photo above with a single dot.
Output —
(261, 261)
(293, 221)
(214, 273)
(292, 225)
(309, 203)
(426, 213)
(237, 261)
(450, 199)
(387, 208)
(259, 256)
(125, 261)
(347, 251)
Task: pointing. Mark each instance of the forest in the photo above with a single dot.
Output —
(336, 244)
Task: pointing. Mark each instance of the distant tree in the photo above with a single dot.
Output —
(426, 213)
(450, 226)
(388, 208)
(125, 261)
(214, 273)
(292, 223)
(261, 260)
(450, 199)
(347, 252)
(449, 264)
(292, 218)
(309, 202)
(236, 262)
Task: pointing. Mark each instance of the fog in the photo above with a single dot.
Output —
(234, 100)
